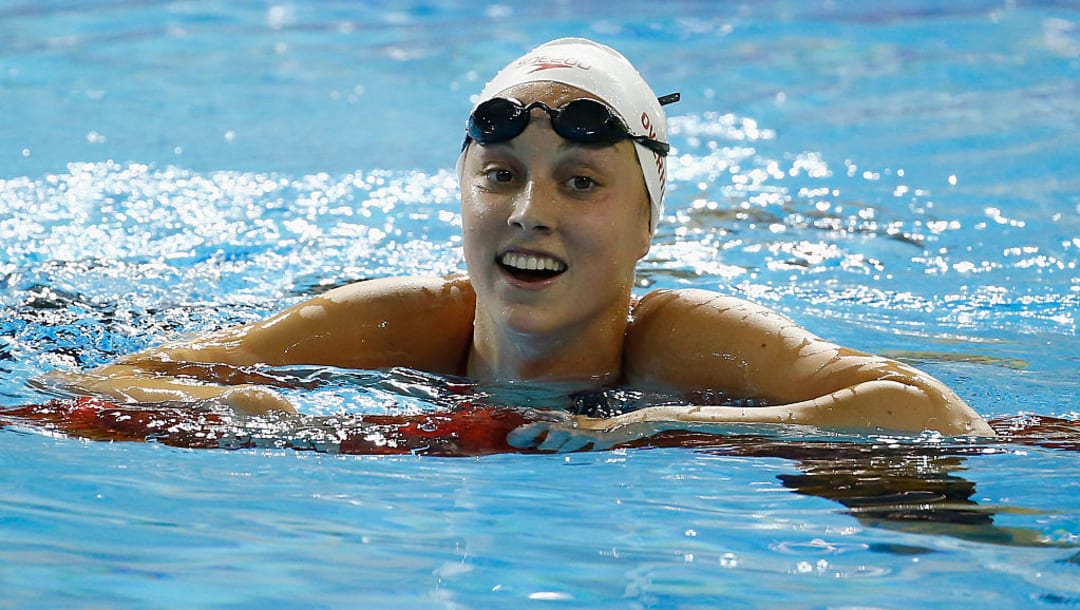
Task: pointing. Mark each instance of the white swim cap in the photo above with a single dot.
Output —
(605, 73)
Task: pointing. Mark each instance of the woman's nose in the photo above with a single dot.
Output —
(534, 208)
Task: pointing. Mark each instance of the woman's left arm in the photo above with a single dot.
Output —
(697, 340)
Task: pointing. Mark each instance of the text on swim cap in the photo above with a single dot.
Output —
(543, 62)
(646, 122)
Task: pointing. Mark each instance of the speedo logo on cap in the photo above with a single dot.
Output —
(543, 62)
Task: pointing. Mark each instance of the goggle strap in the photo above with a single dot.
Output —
(670, 98)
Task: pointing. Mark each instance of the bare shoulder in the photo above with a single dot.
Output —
(670, 321)
(678, 308)
(420, 322)
(422, 291)
(696, 339)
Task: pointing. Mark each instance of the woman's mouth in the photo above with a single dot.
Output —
(531, 267)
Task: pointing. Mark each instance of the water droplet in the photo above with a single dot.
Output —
(729, 560)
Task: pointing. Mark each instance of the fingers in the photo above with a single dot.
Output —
(568, 441)
(527, 436)
(553, 437)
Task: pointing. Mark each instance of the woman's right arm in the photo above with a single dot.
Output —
(423, 323)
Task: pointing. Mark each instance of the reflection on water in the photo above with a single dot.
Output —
(919, 358)
(914, 488)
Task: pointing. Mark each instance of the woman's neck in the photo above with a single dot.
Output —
(593, 354)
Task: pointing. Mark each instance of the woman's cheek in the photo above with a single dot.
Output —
(478, 207)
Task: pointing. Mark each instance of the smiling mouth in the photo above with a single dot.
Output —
(530, 267)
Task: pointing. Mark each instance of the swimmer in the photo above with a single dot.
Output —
(562, 177)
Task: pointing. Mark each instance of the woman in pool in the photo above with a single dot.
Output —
(562, 186)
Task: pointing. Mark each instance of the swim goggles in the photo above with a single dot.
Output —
(584, 120)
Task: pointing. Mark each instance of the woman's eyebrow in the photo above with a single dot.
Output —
(591, 154)
(497, 149)
(505, 144)
(597, 147)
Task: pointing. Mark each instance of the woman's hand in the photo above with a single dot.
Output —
(580, 434)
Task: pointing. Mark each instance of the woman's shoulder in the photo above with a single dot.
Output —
(421, 322)
(690, 308)
(452, 291)
(692, 339)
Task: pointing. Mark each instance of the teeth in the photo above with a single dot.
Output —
(528, 262)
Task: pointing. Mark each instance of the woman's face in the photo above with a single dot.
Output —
(552, 229)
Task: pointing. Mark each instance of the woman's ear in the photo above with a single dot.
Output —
(646, 241)
(646, 227)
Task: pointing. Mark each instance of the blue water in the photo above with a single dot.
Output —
(898, 177)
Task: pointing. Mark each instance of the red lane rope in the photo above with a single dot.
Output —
(466, 431)
(101, 420)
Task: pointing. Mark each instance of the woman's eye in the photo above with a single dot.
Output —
(500, 175)
(582, 183)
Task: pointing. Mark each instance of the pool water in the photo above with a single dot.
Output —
(897, 177)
